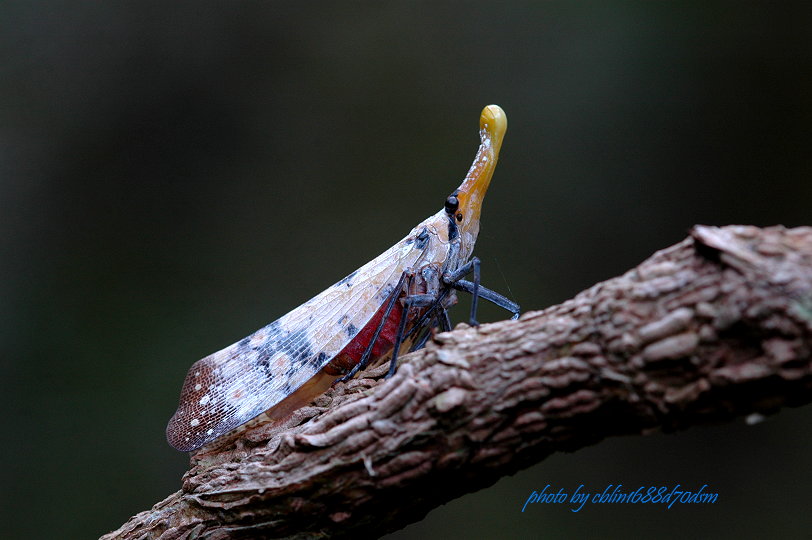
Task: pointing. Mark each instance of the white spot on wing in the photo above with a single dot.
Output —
(194, 422)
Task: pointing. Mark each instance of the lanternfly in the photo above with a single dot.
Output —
(389, 305)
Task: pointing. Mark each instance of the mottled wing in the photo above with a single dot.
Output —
(230, 387)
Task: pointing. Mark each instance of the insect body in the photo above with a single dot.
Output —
(389, 304)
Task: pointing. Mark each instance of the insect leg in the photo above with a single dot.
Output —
(421, 322)
(456, 275)
(444, 320)
(439, 318)
(391, 302)
(423, 339)
(490, 296)
(417, 300)
(398, 340)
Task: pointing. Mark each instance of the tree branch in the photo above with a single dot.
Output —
(717, 326)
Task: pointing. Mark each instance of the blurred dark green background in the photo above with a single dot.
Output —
(175, 175)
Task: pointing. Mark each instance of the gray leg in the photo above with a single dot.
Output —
(489, 295)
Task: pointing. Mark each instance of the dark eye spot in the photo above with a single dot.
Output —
(459, 216)
(451, 204)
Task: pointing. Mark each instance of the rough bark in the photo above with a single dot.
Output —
(717, 326)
